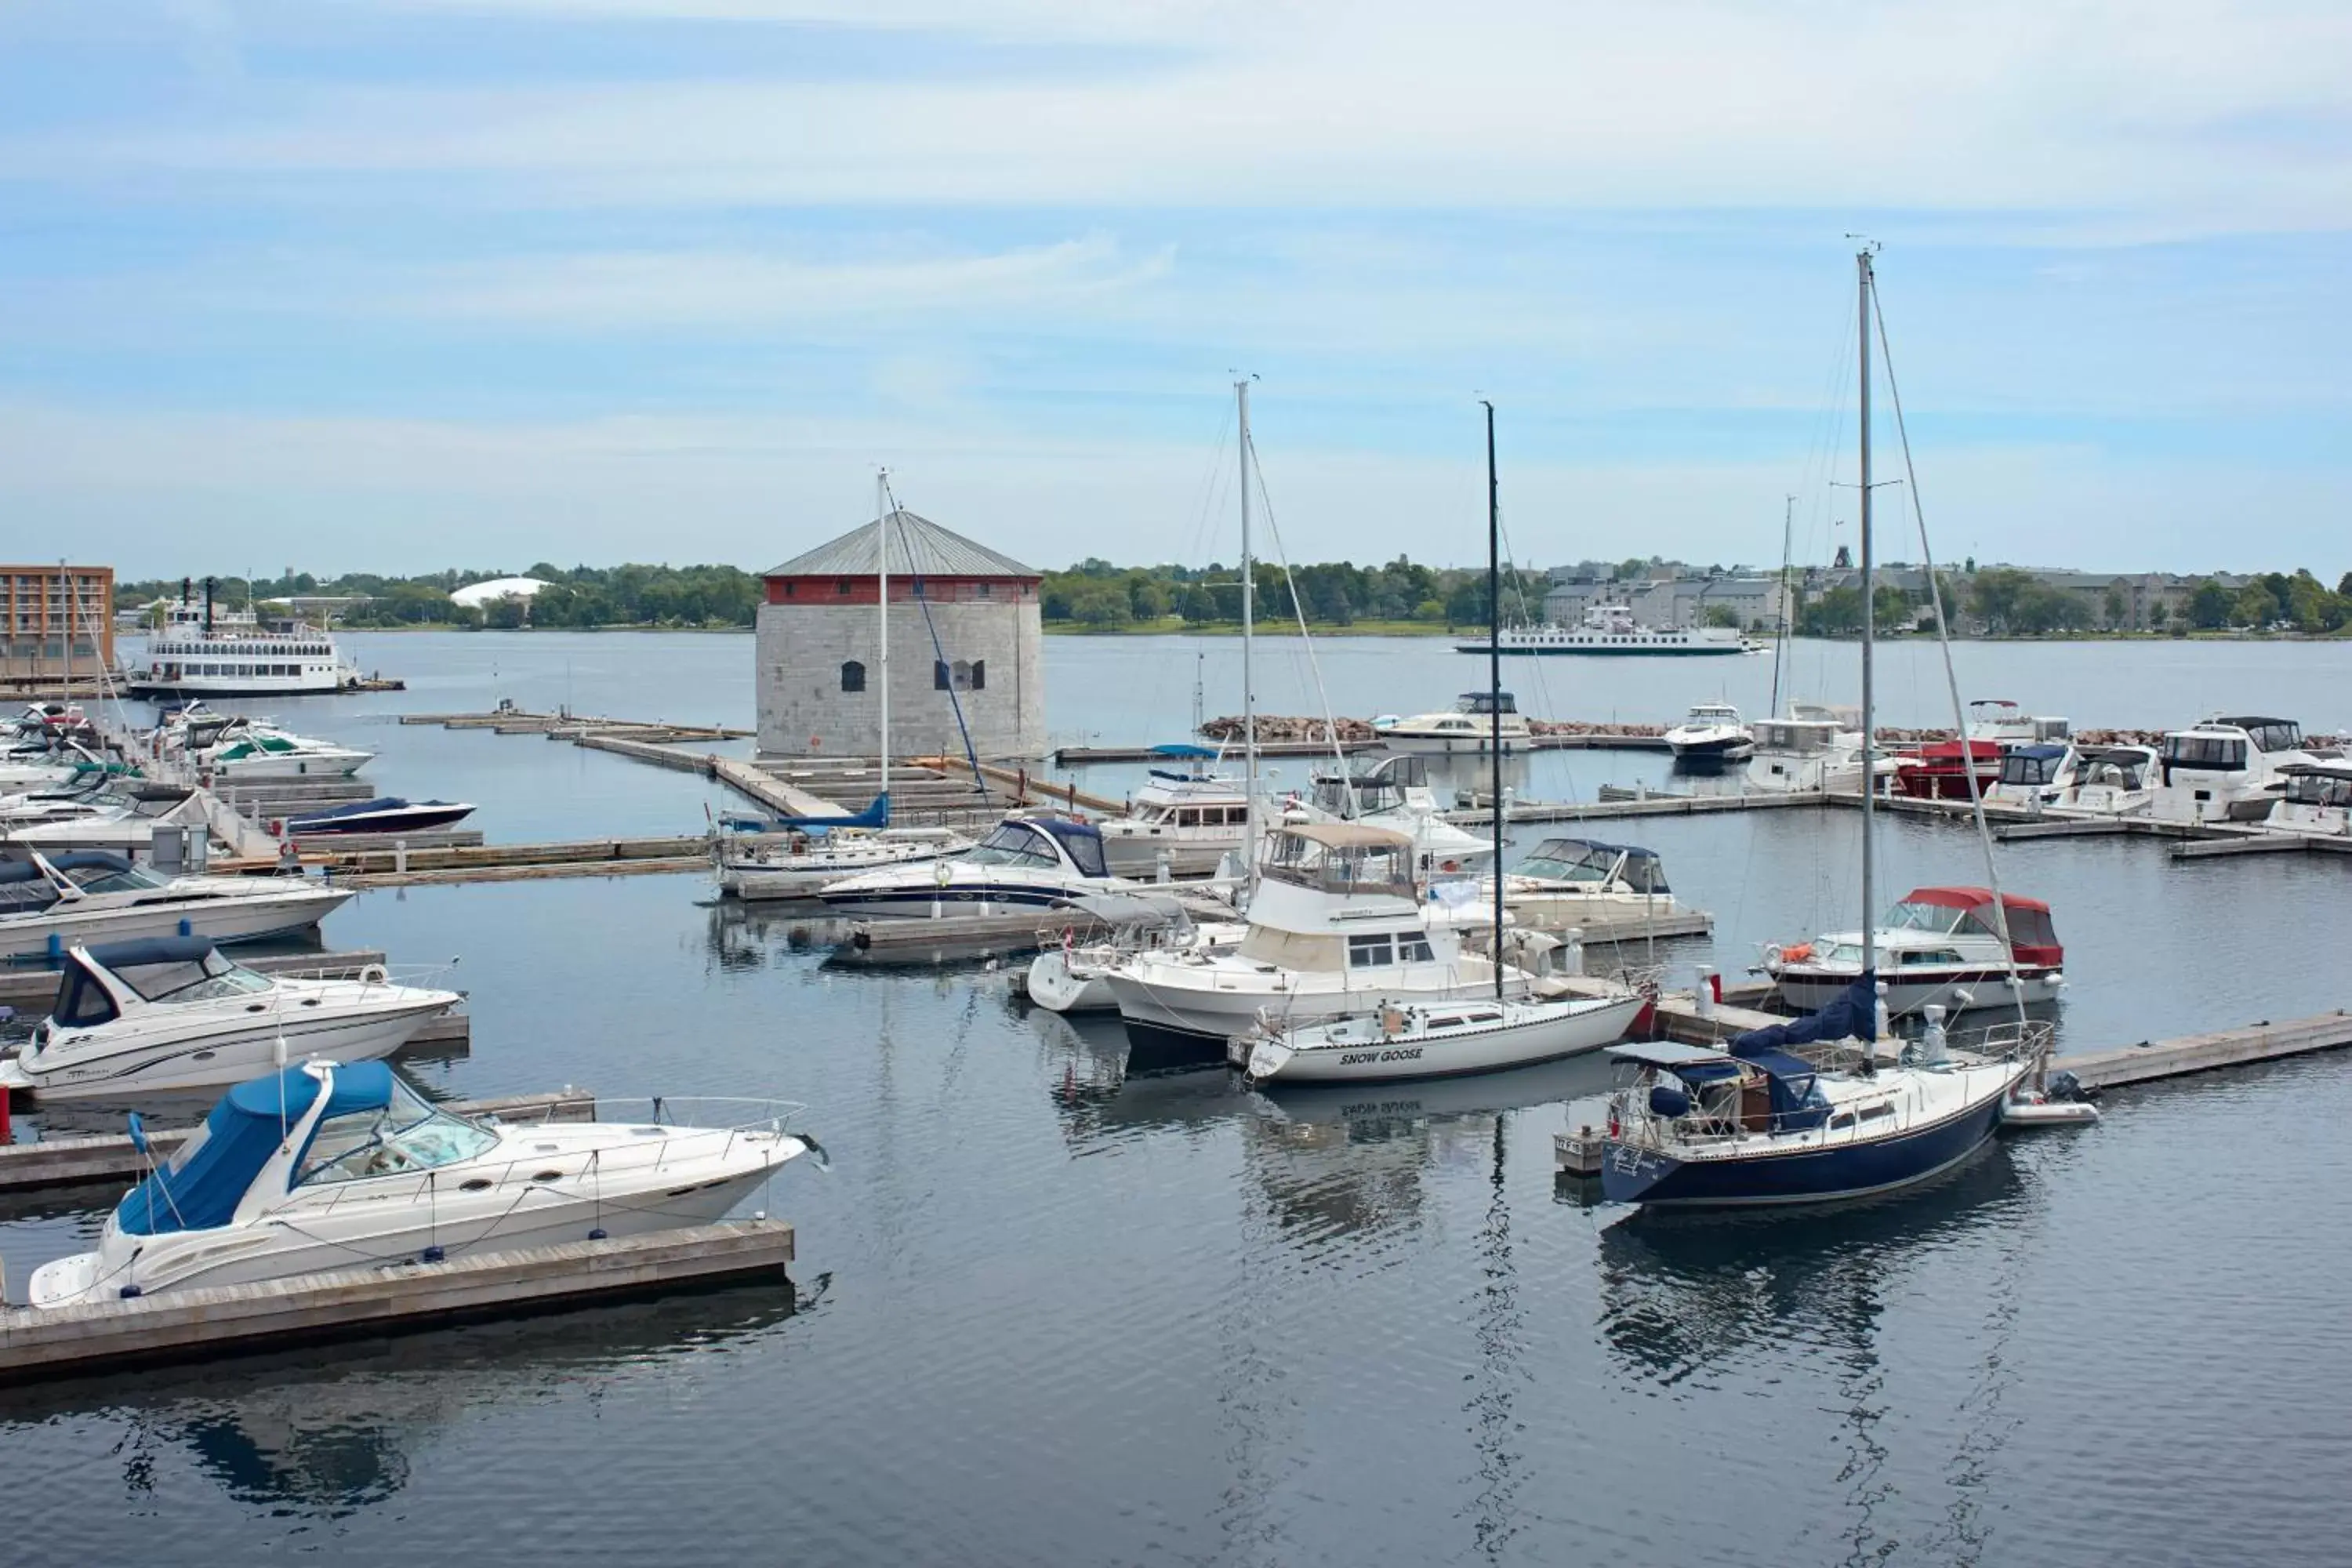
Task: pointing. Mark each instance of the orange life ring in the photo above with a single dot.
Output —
(1797, 954)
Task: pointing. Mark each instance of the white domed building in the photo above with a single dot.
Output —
(965, 631)
(479, 595)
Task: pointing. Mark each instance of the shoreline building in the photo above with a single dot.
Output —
(39, 605)
(966, 638)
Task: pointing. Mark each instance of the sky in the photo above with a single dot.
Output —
(396, 285)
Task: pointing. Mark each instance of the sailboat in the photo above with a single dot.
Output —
(1408, 1038)
(1756, 1124)
(802, 854)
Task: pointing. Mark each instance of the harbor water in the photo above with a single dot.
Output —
(1046, 1312)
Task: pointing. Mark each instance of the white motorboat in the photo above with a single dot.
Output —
(1567, 881)
(172, 1013)
(47, 904)
(1439, 1039)
(325, 1167)
(1071, 977)
(1813, 749)
(1031, 860)
(795, 865)
(121, 818)
(2226, 769)
(1479, 721)
(264, 752)
(1611, 630)
(1394, 793)
(2109, 781)
(1192, 821)
(1941, 946)
(2035, 773)
(1335, 926)
(2316, 800)
(1712, 735)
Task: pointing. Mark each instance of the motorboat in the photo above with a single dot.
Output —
(1071, 977)
(328, 1166)
(2005, 723)
(2226, 769)
(1479, 721)
(2037, 773)
(1813, 749)
(1996, 726)
(1191, 820)
(2316, 800)
(1612, 630)
(172, 1013)
(2109, 781)
(1393, 792)
(49, 903)
(1760, 1123)
(121, 818)
(1432, 1039)
(1336, 926)
(794, 863)
(264, 751)
(385, 813)
(1940, 947)
(1711, 735)
(1567, 881)
(1031, 860)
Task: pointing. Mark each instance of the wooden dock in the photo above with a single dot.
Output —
(75, 1160)
(2263, 1042)
(569, 726)
(111, 1334)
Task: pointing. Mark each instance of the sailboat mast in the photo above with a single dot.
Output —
(1781, 646)
(1869, 630)
(1494, 680)
(1249, 688)
(882, 619)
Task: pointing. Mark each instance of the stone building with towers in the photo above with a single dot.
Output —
(965, 637)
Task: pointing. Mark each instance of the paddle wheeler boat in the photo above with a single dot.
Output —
(327, 1166)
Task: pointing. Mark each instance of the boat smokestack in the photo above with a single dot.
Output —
(185, 587)
(208, 607)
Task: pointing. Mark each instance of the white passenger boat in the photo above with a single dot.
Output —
(47, 905)
(2316, 800)
(325, 1167)
(1611, 630)
(1191, 820)
(209, 652)
(795, 865)
(1478, 722)
(171, 1014)
(1439, 1039)
(2226, 769)
(1711, 735)
(1939, 946)
(1031, 860)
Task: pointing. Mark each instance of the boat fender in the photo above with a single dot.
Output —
(373, 975)
(1069, 938)
(940, 874)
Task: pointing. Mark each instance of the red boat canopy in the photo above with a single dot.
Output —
(2031, 937)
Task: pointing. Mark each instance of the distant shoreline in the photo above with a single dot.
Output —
(1285, 629)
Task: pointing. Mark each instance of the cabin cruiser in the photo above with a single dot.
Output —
(1071, 977)
(1941, 946)
(1806, 1111)
(1939, 769)
(1031, 860)
(1567, 881)
(327, 1166)
(2037, 773)
(121, 818)
(252, 750)
(1394, 793)
(1712, 735)
(385, 813)
(171, 1013)
(1336, 925)
(2226, 769)
(2109, 781)
(2316, 800)
(1811, 750)
(1191, 820)
(1480, 720)
(49, 903)
(793, 864)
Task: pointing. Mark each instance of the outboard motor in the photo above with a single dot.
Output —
(2063, 1085)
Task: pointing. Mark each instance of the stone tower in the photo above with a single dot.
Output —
(964, 633)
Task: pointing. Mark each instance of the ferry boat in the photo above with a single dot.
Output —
(205, 651)
(1612, 630)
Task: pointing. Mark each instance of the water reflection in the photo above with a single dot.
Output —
(275, 1432)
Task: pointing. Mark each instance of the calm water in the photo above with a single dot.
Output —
(1044, 1313)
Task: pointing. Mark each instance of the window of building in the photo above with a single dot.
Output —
(939, 675)
(841, 587)
(979, 675)
(853, 676)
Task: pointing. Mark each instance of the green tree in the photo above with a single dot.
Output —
(1100, 606)
(1197, 604)
(2118, 611)
(504, 613)
(2209, 605)
(1890, 607)
(1836, 614)
(1714, 616)
(2255, 606)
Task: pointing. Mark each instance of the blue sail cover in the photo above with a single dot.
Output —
(1853, 1015)
(876, 815)
(204, 1181)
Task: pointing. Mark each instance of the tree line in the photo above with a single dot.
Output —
(2001, 601)
(633, 594)
(1098, 596)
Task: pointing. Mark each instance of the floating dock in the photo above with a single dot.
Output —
(110, 1334)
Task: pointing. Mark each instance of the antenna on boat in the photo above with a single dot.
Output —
(1495, 678)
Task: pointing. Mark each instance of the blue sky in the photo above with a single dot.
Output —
(399, 284)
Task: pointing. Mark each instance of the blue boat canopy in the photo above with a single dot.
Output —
(150, 950)
(1185, 749)
(1081, 840)
(200, 1187)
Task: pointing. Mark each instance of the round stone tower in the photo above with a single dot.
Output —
(964, 636)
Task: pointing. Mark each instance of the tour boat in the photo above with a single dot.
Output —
(1071, 977)
(48, 904)
(1434, 1039)
(1393, 792)
(1612, 630)
(325, 1166)
(385, 813)
(796, 864)
(1712, 735)
(1193, 821)
(172, 1013)
(1939, 946)
(1569, 881)
(2226, 769)
(211, 652)
(2109, 781)
(1031, 860)
(2316, 800)
(1479, 721)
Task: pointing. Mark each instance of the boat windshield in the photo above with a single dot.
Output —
(203, 979)
(1368, 868)
(2223, 754)
(1943, 919)
(406, 1135)
(107, 879)
(1013, 843)
(1714, 713)
(2320, 789)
